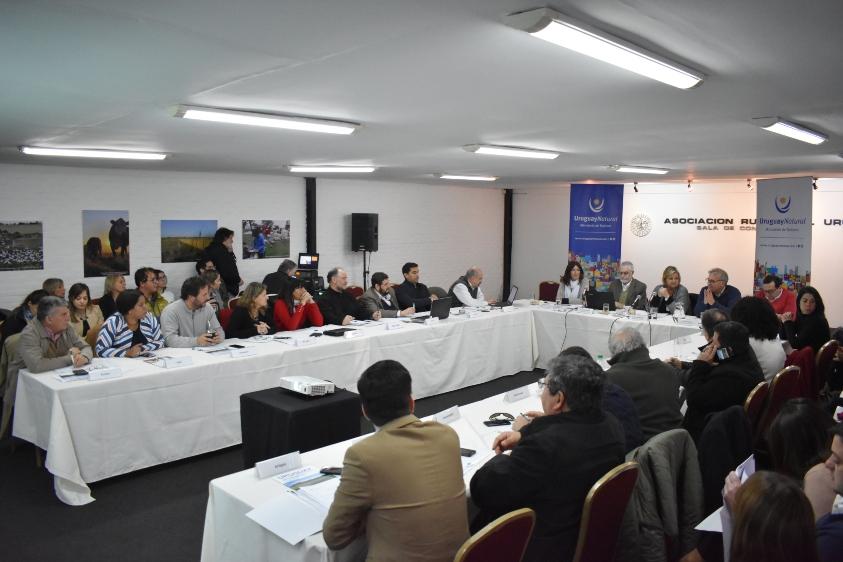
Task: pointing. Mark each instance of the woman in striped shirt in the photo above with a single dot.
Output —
(131, 331)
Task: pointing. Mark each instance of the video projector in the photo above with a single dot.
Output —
(308, 386)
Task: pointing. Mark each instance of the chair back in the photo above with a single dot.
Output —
(784, 386)
(603, 514)
(825, 357)
(693, 297)
(92, 335)
(438, 291)
(9, 377)
(232, 303)
(225, 316)
(754, 406)
(503, 540)
(548, 290)
(355, 291)
(804, 359)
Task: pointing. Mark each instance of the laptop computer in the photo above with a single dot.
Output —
(512, 294)
(440, 308)
(596, 299)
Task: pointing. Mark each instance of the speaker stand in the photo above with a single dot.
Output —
(365, 271)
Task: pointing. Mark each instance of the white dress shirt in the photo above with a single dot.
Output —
(465, 297)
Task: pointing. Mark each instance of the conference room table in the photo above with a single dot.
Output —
(231, 536)
(93, 430)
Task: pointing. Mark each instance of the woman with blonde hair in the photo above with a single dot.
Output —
(250, 316)
(113, 286)
(671, 292)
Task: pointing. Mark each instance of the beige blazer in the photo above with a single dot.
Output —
(403, 488)
(371, 302)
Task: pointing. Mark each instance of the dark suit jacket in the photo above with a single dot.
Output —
(337, 305)
(409, 295)
(371, 302)
(636, 289)
(403, 488)
(551, 471)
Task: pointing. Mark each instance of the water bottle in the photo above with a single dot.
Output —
(679, 311)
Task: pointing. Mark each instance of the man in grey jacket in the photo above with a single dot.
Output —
(190, 321)
(627, 290)
(380, 300)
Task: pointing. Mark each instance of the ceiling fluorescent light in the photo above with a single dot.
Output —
(514, 151)
(466, 178)
(776, 125)
(561, 30)
(638, 169)
(266, 120)
(91, 153)
(332, 169)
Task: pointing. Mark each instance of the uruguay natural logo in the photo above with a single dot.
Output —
(783, 204)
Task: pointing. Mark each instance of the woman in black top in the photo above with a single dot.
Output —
(114, 285)
(810, 328)
(221, 252)
(250, 316)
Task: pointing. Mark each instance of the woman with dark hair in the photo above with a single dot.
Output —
(572, 285)
(21, 315)
(84, 316)
(221, 252)
(215, 296)
(810, 328)
(671, 292)
(113, 286)
(295, 308)
(131, 331)
(250, 317)
(772, 520)
(759, 318)
(798, 438)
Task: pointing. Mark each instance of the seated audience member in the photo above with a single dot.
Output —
(771, 520)
(84, 316)
(295, 308)
(411, 292)
(717, 293)
(810, 327)
(147, 284)
(617, 402)
(221, 252)
(113, 286)
(758, 317)
(190, 321)
(556, 457)
(652, 385)
(466, 290)
(161, 279)
(251, 316)
(671, 292)
(402, 487)
(131, 331)
(572, 286)
(48, 342)
(380, 300)
(709, 319)
(204, 265)
(830, 525)
(337, 306)
(276, 282)
(54, 287)
(21, 316)
(778, 296)
(627, 290)
(215, 288)
(723, 375)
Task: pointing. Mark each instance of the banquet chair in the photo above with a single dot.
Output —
(825, 357)
(355, 291)
(438, 291)
(225, 316)
(754, 406)
(548, 290)
(503, 540)
(804, 359)
(603, 513)
(784, 386)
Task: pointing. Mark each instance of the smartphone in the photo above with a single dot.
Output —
(336, 470)
(467, 452)
(236, 346)
(723, 353)
(80, 372)
(493, 423)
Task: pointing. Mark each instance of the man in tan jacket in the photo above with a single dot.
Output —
(403, 485)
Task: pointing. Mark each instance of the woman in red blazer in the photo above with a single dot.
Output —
(295, 308)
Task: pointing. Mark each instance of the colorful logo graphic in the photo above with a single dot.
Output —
(783, 204)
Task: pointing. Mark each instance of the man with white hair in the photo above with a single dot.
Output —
(627, 290)
(652, 385)
(717, 293)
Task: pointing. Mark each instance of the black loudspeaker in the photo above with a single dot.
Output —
(364, 232)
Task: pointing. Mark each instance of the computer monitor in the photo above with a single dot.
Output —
(308, 261)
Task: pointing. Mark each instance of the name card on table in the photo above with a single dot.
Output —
(431, 320)
(104, 373)
(277, 465)
(448, 416)
(352, 334)
(471, 313)
(517, 394)
(242, 351)
(301, 342)
(394, 325)
(173, 362)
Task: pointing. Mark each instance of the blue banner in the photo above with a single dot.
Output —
(594, 238)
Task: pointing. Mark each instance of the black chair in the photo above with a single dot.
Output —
(694, 298)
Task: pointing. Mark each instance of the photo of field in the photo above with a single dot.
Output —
(105, 242)
(184, 240)
(21, 246)
(266, 239)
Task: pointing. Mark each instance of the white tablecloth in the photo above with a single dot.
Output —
(96, 430)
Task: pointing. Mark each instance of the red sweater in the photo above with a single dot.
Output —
(785, 303)
(304, 316)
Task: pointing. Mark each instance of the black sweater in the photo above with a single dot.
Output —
(337, 305)
(241, 325)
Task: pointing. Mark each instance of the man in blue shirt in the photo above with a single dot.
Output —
(717, 293)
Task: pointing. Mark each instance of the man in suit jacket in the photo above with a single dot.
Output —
(403, 485)
(381, 297)
(627, 289)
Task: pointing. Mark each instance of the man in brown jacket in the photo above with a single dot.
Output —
(403, 485)
(49, 342)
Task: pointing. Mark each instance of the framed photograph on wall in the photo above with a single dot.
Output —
(266, 239)
(21, 246)
(185, 240)
(105, 243)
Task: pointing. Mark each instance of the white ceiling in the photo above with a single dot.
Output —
(424, 78)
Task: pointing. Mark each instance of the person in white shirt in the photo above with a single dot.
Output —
(763, 325)
(466, 291)
(572, 286)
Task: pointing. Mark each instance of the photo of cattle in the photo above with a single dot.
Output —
(266, 239)
(185, 240)
(21, 246)
(105, 242)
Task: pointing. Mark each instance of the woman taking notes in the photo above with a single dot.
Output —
(250, 317)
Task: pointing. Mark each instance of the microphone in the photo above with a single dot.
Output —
(635, 301)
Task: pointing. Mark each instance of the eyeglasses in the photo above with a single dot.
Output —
(542, 383)
(713, 281)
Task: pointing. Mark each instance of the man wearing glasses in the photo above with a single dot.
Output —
(627, 290)
(556, 456)
(717, 293)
